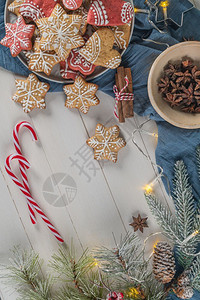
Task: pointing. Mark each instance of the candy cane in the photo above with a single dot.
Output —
(22, 168)
(23, 161)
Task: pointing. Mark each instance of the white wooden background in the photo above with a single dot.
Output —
(105, 201)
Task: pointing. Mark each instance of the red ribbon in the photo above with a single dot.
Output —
(121, 96)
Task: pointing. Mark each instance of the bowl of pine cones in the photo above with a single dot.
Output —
(174, 85)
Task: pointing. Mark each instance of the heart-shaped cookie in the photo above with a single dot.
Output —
(99, 49)
(110, 13)
(72, 4)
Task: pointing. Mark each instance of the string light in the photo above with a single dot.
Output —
(140, 10)
(148, 189)
(134, 292)
(190, 237)
(164, 5)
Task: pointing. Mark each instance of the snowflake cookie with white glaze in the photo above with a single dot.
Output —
(30, 93)
(99, 49)
(40, 61)
(18, 36)
(106, 142)
(110, 13)
(60, 32)
(81, 95)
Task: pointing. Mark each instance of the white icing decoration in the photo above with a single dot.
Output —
(18, 36)
(70, 4)
(106, 142)
(30, 94)
(81, 95)
(59, 32)
(127, 12)
(43, 62)
(100, 14)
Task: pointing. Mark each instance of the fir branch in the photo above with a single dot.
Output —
(184, 200)
(80, 277)
(124, 261)
(24, 275)
(185, 213)
(194, 274)
(164, 218)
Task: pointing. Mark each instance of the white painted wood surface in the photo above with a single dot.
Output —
(107, 194)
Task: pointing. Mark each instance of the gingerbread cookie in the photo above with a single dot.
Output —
(60, 32)
(110, 13)
(40, 61)
(122, 35)
(106, 142)
(99, 49)
(81, 95)
(66, 72)
(18, 36)
(36, 9)
(72, 4)
(15, 6)
(31, 93)
(77, 62)
(82, 11)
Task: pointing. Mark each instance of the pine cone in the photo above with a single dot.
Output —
(163, 263)
(182, 288)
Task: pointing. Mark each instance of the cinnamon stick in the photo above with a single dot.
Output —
(125, 108)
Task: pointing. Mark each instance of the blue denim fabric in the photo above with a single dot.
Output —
(173, 143)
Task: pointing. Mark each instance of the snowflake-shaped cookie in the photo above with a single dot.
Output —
(81, 95)
(60, 32)
(15, 6)
(40, 61)
(31, 93)
(83, 12)
(18, 36)
(106, 142)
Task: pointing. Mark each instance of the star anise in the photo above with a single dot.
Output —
(180, 86)
(183, 77)
(170, 71)
(187, 64)
(188, 94)
(164, 84)
(175, 87)
(139, 223)
(173, 99)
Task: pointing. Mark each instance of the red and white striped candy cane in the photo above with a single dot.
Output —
(18, 148)
(22, 160)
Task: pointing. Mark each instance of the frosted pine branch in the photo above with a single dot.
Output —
(24, 275)
(164, 218)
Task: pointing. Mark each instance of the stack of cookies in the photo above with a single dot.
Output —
(79, 35)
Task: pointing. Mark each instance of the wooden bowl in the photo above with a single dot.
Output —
(175, 53)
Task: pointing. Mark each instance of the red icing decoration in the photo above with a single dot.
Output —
(18, 36)
(77, 62)
(110, 13)
(66, 72)
(37, 9)
(72, 4)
